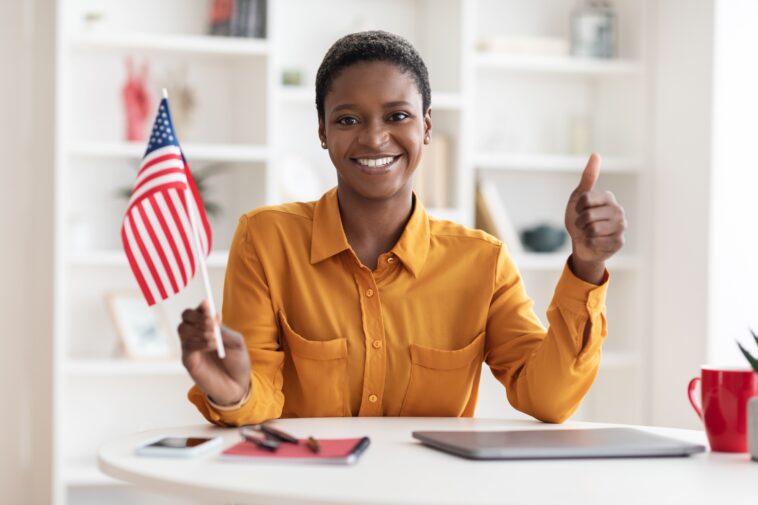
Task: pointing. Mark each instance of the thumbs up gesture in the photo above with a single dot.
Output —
(595, 222)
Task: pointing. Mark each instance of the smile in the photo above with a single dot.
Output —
(376, 165)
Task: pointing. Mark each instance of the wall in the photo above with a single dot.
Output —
(734, 182)
(26, 192)
(681, 91)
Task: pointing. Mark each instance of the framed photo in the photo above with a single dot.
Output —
(143, 332)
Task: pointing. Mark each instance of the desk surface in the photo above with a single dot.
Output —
(398, 470)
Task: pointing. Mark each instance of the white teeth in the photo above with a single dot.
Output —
(379, 162)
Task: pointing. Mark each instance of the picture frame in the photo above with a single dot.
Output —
(142, 332)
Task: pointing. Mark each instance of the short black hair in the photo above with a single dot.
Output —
(374, 45)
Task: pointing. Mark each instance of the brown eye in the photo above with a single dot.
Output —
(398, 116)
(347, 121)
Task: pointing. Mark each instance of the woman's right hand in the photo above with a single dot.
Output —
(225, 381)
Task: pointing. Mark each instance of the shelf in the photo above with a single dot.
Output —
(199, 152)
(561, 65)
(82, 475)
(197, 44)
(121, 367)
(217, 259)
(553, 163)
(307, 95)
(530, 261)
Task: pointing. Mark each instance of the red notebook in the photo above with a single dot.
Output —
(335, 450)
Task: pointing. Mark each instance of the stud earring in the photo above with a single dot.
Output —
(428, 139)
(323, 144)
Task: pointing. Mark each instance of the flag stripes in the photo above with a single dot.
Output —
(157, 231)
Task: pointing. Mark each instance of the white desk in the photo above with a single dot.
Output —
(397, 470)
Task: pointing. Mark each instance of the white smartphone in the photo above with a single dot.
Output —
(181, 447)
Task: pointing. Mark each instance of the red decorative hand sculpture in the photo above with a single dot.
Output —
(136, 102)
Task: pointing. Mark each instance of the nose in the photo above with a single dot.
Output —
(374, 134)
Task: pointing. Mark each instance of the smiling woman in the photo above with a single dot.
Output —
(362, 304)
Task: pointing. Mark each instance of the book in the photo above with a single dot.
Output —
(238, 18)
(493, 217)
(344, 451)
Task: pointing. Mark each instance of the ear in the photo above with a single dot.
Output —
(321, 132)
(428, 126)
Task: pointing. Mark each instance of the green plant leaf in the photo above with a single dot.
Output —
(754, 336)
(753, 362)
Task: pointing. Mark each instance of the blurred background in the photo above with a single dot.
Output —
(522, 92)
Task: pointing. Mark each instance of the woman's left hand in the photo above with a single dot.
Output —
(595, 222)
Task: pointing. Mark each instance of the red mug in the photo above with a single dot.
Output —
(725, 392)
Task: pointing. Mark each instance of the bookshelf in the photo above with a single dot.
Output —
(248, 121)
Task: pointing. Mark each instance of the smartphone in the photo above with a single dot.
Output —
(182, 447)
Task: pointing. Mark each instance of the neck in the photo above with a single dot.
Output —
(372, 227)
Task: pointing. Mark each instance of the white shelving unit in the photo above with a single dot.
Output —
(505, 117)
(525, 106)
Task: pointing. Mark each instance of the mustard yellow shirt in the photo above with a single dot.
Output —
(327, 336)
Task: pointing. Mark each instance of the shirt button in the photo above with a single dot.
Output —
(390, 259)
(376, 344)
(373, 398)
(369, 292)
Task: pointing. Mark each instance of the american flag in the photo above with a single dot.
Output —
(157, 232)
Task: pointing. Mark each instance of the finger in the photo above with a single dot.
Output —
(590, 174)
(204, 308)
(594, 199)
(601, 213)
(192, 316)
(188, 331)
(603, 228)
(609, 244)
(231, 338)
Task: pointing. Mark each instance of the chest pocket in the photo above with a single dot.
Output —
(441, 380)
(315, 375)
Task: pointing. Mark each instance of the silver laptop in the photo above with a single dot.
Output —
(556, 443)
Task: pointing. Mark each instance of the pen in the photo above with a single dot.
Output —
(278, 434)
(269, 431)
(268, 444)
(313, 445)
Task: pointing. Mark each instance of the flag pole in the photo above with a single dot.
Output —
(203, 266)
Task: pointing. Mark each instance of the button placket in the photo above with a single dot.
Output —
(375, 360)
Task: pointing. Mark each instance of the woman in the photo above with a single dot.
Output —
(360, 304)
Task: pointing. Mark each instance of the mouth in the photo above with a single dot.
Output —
(376, 165)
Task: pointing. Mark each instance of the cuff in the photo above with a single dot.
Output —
(230, 408)
(579, 296)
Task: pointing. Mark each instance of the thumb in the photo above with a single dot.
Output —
(590, 174)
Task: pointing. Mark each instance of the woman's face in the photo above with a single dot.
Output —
(375, 127)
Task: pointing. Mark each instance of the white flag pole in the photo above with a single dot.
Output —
(203, 267)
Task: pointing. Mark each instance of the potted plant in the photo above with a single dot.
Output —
(752, 406)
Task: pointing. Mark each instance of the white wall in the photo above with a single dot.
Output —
(15, 457)
(26, 183)
(681, 205)
(734, 181)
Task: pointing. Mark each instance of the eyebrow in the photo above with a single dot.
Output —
(386, 105)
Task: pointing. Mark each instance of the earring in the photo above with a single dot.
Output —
(323, 144)
(428, 139)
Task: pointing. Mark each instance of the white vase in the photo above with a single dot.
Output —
(752, 427)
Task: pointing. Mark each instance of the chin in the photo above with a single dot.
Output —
(377, 191)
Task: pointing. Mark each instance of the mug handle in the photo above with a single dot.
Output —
(691, 394)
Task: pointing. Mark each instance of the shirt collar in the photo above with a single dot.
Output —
(328, 236)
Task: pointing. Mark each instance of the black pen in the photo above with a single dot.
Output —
(278, 434)
(268, 444)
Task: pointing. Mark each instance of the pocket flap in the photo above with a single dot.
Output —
(440, 359)
(335, 348)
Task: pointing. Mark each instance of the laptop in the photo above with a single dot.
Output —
(556, 443)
